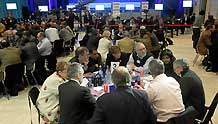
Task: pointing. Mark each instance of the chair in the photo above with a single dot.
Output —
(209, 112)
(32, 97)
(196, 58)
(2, 79)
(186, 117)
(28, 79)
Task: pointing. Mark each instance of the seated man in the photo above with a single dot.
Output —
(95, 60)
(191, 86)
(82, 57)
(76, 102)
(124, 105)
(11, 38)
(115, 55)
(140, 59)
(48, 102)
(164, 93)
(45, 50)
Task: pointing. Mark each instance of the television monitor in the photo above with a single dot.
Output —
(99, 7)
(158, 6)
(130, 7)
(43, 8)
(187, 3)
(70, 6)
(11, 6)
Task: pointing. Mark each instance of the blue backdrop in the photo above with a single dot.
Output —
(170, 6)
(108, 1)
(16, 13)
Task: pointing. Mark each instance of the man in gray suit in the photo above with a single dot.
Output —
(191, 86)
(76, 102)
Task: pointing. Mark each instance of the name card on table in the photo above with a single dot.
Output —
(114, 65)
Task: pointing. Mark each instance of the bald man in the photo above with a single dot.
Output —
(124, 105)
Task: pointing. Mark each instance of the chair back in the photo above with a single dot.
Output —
(2, 75)
(33, 94)
(186, 117)
(32, 97)
(211, 110)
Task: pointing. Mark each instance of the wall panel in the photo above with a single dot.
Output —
(16, 13)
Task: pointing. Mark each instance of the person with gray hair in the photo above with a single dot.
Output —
(82, 57)
(164, 93)
(122, 105)
(191, 86)
(140, 58)
(121, 77)
(67, 35)
(76, 102)
(180, 65)
(156, 67)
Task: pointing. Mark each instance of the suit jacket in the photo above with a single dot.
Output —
(146, 40)
(94, 65)
(187, 20)
(123, 106)
(93, 41)
(204, 42)
(65, 34)
(9, 56)
(88, 19)
(192, 91)
(30, 52)
(126, 45)
(76, 103)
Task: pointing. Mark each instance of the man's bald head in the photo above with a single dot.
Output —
(121, 77)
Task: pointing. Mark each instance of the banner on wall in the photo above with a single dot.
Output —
(116, 9)
(145, 5)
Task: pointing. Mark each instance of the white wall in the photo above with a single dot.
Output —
(212, 8)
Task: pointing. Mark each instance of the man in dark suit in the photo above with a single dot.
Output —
(191, 86)
(185, 20)
(95, 61)
(29, 54)
(124, 105)
(76, 102)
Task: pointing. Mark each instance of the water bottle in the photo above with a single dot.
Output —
(95, 80)
(100, 71)
(101, 75)
(112, 32)
(108, 76)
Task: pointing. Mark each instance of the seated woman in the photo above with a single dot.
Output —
(104, 45)
(115, 55)
(168, 58)
(48, 100)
